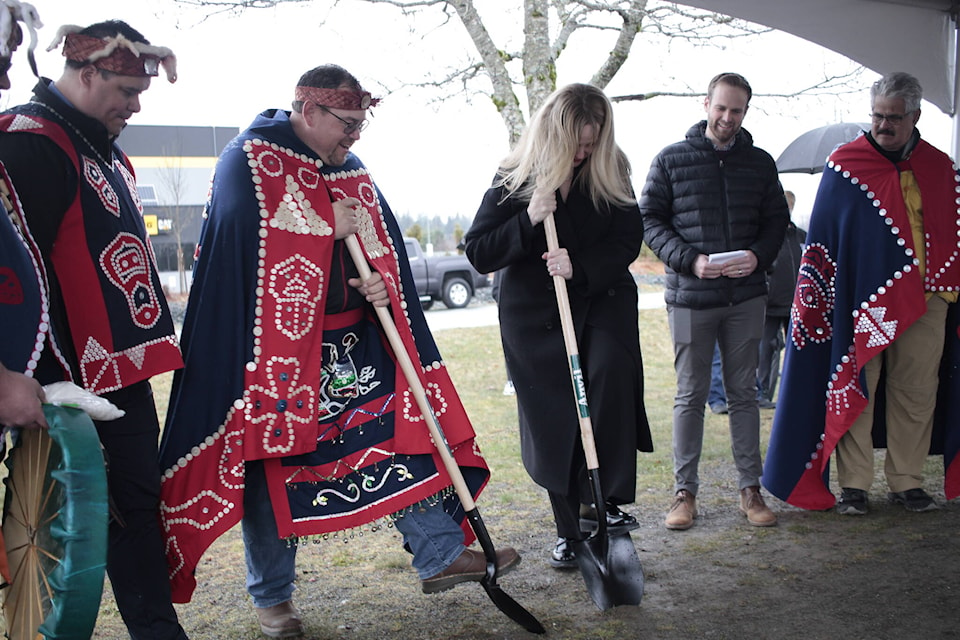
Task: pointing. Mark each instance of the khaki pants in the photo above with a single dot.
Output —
(912, 363)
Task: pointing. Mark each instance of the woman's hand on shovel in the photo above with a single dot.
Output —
(543, 202)
(558, 263)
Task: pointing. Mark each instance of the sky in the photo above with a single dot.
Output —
(437, 157)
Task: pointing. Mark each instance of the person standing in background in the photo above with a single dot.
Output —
(776, 326)
(781, 281)
(874, 332)
(714, 193)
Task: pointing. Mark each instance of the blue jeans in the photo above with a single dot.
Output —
(271, 561)
(433, 537)
(429, 532)
(716, 395)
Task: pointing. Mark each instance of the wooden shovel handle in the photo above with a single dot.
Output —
(573, 352)
(406, 365)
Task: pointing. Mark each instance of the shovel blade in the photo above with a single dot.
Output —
(611, 569)
(498, 596)
(511, 607)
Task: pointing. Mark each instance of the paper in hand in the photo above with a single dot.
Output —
(726, 256)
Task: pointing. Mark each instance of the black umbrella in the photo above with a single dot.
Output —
(809, 152)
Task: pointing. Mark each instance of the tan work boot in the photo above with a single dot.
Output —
(682, 511)
(280, 621)
(757, 512)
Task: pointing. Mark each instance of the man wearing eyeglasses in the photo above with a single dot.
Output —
(290, 413)
(107, 308)
(873, 320)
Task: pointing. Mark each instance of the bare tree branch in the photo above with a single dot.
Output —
(539, 61)
(836, 84)
(632, 16)
(494, 64)
(536, 76)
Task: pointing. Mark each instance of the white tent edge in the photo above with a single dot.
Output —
(868, 32)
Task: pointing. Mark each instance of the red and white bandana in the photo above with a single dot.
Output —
(349, 99)
(116, 53)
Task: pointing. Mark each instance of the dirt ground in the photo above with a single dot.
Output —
(890, 575)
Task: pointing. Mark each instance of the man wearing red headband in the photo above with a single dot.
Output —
(290, 413)
(81, 206)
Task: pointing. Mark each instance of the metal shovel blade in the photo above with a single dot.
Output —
(611, 569)
(500, 598)
(608, 560)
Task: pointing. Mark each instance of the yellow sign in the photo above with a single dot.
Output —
(150, 221)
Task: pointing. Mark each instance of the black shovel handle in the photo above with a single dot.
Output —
(504, 602)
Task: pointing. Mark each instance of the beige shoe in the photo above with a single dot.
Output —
(280, 621)
(682, 511)
(757, 512)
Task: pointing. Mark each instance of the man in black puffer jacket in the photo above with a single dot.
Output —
(715, 193)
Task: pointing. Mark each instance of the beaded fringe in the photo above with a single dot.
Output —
(386, 522)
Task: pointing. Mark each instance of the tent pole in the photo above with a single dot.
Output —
(955, 142)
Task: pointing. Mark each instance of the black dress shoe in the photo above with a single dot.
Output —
(563, 556)
(617, 519)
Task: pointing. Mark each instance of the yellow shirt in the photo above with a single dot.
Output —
(914, 203)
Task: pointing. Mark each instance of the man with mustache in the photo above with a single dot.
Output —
(873, 317)
(106, 306)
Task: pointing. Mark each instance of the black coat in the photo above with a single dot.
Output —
(603, 299)
(698, 201)
(783, 274)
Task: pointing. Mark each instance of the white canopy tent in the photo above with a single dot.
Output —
(916, 36)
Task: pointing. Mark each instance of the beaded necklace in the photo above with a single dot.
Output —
(73, 127)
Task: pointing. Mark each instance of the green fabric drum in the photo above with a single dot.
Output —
(55, 516)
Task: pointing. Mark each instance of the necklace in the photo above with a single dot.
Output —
(74, 128)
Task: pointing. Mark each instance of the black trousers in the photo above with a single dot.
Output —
(775, 331)
(135, 559)
(613, 382)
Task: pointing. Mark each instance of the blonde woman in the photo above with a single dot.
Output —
(568, 164)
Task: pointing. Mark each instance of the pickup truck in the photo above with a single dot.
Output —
(451, 279)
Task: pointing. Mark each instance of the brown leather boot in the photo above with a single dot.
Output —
(470, 566)
(682, 511)
(280, 621)
(757, 512)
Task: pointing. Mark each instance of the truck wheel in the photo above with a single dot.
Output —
(456, 293)
(426, 304)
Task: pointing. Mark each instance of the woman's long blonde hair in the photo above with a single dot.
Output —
(544, 154)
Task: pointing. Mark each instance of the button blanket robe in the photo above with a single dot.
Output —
(858, 289)
(271, 373)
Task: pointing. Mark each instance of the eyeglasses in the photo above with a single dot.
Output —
(892, 118)
(349, 125)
